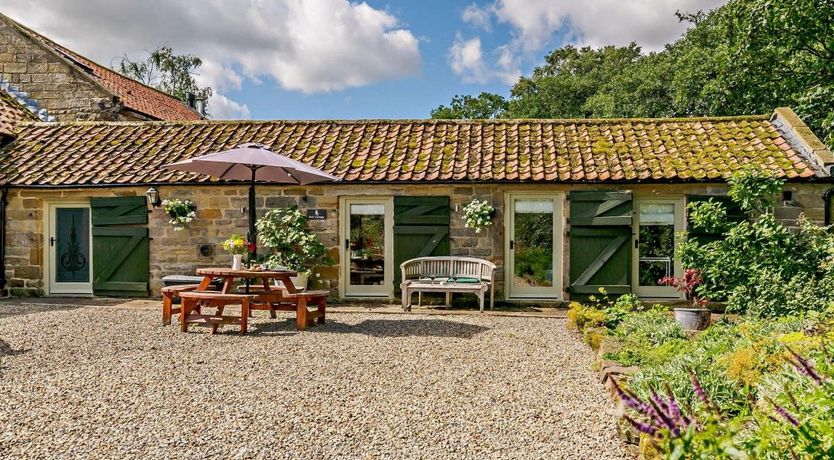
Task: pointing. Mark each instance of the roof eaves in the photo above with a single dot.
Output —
(800, 136)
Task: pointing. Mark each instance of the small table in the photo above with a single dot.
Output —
(191, 312)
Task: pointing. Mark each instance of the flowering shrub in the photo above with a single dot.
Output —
(237, 244)
(291, 243)
(182, 212)
(478, 215)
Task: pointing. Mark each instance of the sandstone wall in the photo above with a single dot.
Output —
(54, 84)
(221, 212)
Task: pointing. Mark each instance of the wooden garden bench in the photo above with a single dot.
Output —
(447, 274)
(193, 300)
(170, 295)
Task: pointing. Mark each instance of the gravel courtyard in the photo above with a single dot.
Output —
(110, 382)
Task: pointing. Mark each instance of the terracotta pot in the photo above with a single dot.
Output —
(693, 319)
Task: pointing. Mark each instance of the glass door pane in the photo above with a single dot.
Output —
(656, 247)
(366, 248)
(534, 221)
(72, 245)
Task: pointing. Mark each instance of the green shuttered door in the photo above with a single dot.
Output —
(421, 228)
(600, 242)
(120, 246)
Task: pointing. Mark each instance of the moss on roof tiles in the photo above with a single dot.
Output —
(412, 150)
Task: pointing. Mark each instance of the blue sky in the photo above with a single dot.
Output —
(313, 59)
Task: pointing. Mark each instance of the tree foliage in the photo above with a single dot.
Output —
(168, 72)
(748, 56)
(485, 105)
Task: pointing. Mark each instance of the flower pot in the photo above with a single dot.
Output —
(237, 261)
(693, 319)
(300, 281)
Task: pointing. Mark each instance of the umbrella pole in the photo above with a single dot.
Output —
(252, 237)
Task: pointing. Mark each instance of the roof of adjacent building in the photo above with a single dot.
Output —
(12, 112)
(614, 150)
(134, 95)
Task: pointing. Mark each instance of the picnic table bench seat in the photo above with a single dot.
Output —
(171, 297)
(279, 299)
(448, 274)
(193, 299)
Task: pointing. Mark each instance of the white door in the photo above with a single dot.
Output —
(68, 242)
(657, 223)
(534, 246)
(367, 248)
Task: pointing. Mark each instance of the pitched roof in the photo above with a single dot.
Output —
(134, 95)
(626, 150)
(12, 112)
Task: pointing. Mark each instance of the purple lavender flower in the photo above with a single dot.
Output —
(699, 390)
(640, 426)
(784, 413)
(804, 366)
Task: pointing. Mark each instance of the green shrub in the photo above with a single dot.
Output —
(758, 265)
(581, 317)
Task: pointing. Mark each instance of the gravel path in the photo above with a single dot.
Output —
(96, 382)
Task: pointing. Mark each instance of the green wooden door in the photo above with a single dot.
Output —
(600, 242)
(421, 228)
(121, 254)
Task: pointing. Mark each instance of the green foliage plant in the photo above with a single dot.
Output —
(292, 245)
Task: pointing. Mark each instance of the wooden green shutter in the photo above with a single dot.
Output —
(421, 228)
(119, 211)
(600, 242)
(734, 214)
(121, 253)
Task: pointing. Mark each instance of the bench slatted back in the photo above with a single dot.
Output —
(448, 267)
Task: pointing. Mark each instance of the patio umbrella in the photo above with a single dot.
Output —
(253, 163)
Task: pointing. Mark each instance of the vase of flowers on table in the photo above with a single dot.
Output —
(237, 246)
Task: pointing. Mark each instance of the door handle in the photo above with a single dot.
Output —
(52, 241)
(512, 244)
(347, 243)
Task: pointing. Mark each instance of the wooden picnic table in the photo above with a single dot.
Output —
(261, 295)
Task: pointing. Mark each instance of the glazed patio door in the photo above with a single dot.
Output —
(656, 224)
(68, 246)
(367, 251)
(534, 246)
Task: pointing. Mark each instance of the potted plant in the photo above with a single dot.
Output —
(478, 215)
(237, 246)
(182, 212)
(695, 316)
(291, 244)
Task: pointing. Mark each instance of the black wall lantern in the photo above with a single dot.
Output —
(153, 197)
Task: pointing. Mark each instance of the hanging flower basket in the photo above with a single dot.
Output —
(478, 215)
(182, 212)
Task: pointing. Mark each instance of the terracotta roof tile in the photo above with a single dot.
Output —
(86, 153)
(12, 112)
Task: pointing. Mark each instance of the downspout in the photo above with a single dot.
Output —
(3, 202)
(827, 197)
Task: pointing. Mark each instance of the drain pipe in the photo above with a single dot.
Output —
(4, 194)
(827, 197)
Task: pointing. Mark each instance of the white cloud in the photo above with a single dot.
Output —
(477, 17)
(467, 60)
(304, 45)
(651, 23)
(535, 23)
(221, 107)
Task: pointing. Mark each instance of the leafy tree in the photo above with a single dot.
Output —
(485, 105)
(168, 72)
(748, 56)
